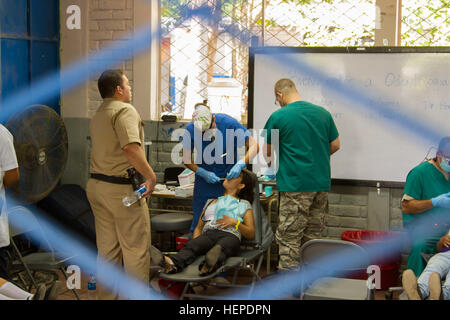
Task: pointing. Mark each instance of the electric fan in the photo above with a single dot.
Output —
(41, 144)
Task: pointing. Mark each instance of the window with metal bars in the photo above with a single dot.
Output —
(207, 58)
(425, 23)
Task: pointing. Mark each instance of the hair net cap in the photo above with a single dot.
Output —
(202, 118)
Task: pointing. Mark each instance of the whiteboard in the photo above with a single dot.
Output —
(360, 87)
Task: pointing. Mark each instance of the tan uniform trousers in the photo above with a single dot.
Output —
(123, 234)
(302, 217)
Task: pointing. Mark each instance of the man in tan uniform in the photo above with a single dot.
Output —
(117, 136)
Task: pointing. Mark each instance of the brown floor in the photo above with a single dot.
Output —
(207, 290)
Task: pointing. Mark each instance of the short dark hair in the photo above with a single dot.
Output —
(108, 82)
(249, 180)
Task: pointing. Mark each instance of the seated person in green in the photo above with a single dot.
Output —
(218, 233)
(426, 204)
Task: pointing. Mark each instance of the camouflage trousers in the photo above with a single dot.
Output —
(302, 217)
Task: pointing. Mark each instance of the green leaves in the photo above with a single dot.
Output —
(426, 22)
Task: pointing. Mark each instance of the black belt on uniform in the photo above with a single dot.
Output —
(110, 179)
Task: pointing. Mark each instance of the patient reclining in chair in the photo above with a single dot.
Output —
(219, 230)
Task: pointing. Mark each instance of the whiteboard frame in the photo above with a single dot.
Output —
(345, 50)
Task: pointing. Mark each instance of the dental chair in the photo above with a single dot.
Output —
(250, 258)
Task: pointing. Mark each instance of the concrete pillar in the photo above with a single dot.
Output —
(146, 66)
(388, 22)
(74, 47)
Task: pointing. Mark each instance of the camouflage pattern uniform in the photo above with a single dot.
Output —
(302, 217)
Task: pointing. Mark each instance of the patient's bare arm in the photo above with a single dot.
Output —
(246, 228)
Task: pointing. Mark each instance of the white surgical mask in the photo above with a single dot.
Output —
(202, 118)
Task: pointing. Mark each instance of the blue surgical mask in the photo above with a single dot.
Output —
(445, 166)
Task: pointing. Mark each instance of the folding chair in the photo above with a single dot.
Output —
(35, 261)
(251, 250)
(329, 287)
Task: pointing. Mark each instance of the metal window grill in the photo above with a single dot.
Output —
(201, 53)
(425, 23)
(319, 23)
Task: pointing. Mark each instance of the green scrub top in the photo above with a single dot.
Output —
(305, 133)
(424, 182)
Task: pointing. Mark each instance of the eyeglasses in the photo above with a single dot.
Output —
(277, 103)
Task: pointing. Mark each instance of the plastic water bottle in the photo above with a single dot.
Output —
(92, 287)
(134, 197)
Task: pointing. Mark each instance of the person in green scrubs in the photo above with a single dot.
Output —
(426, 204)
(307, 138)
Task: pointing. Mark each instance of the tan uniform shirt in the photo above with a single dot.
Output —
(114, 125)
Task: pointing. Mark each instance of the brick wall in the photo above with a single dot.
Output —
(348, 207)
(395, 220)
(159, 133)
(110, 21)
(347, 210)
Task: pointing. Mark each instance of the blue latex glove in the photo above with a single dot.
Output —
(208, 176)
(270, 173)
(442, 201)
(236, 170)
